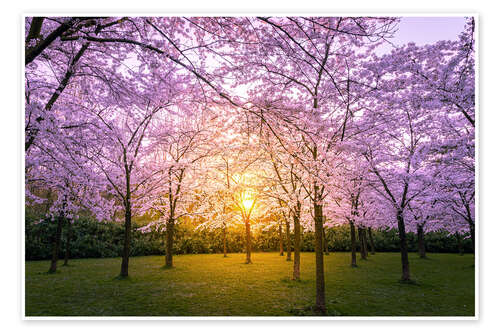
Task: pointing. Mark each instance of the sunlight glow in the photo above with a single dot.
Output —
(247, 200)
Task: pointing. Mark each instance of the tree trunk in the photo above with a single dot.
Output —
(296, 247)
(56, 244)
(372, 244)
(360, 242)
(325, 242)
(35, 28)
(128, 223)
(365, 243)
(281, 239)
(472, 236)
(68, 244)
(318, 249)
(353, 244)
(126, 243)
(169, 244)
(288, 242)
(248, 242)
(421, 241)
(36, 50)
(405, 264)
(224, 240)
(362, 246)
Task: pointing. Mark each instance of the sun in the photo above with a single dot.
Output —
(247, 204)
(247, 200)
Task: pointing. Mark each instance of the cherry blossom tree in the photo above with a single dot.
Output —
(241, 120)
(178, 148)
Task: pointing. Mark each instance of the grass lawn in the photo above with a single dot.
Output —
(210, 285)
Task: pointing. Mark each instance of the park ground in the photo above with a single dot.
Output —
(210, 285)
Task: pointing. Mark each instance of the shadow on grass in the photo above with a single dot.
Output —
(49, 273)
(310, 311)
(122, 278)
(409, 282)
(165, 267)
(291, 283)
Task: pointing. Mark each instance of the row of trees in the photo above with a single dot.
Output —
(294, 121)
(89, 238)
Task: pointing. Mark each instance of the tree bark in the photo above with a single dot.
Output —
(372, 244)
(325, 242)
(35, 28)
(362, 245)
(405, 264)
(365, 243)
(296, 247)
(169, 244)
(56, 244)
(421, 241)
(353, 244)
(288, 242)
(68, 244)
(320, 269)
(248, 242)
(126, 243)
(33, 52)
(472, 236)
(224, 240)
(281, 239)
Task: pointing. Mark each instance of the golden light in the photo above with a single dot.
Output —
(247, 200)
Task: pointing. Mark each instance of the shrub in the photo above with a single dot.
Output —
(92, 239)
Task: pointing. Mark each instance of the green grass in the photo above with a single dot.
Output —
(210, 285)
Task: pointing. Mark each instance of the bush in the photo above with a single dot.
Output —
(92, 239)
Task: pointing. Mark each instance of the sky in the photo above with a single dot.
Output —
(425, 30)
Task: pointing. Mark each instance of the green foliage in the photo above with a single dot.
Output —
(210, 285)
(92, 239)
(89, 239)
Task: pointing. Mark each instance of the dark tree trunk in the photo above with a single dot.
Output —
(288, 242)
(128, 222)
(372, 244)
(318, 249)
(35, 28)
(224, 240)
(169, 244)
(56, 244)
(296, 247)
(281, 240)
(365, 243)
(405, 264)
(459, 244)
(126, 243)
(421, 241)
(472, 236)
(353, 244)
(362, 245)
(248, 242)
(360, 241)
(325, 242)
(68, 244)
(33, 52)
